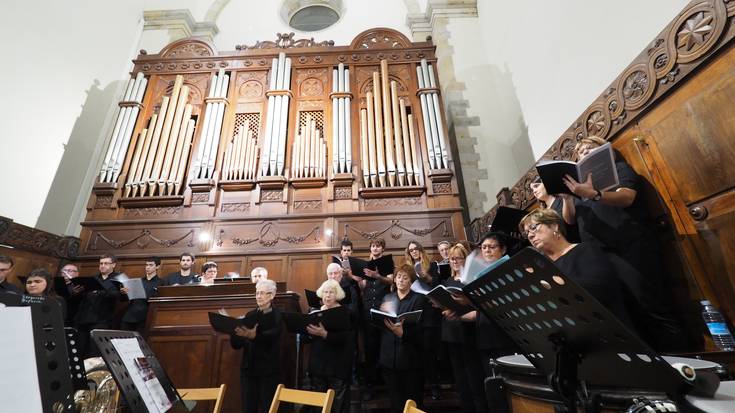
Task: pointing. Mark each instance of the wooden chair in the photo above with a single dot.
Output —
(411, 407)
(309, 398)
(211, 393)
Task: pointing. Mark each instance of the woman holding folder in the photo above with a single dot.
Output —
(459, 332)
(330, 359)
(260, 338)
(400, 343)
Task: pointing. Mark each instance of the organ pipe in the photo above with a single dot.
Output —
(274, 147)
(432, 117)
(203, 165)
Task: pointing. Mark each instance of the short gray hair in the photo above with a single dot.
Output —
(266, 285)
(331, 266)
(260, 271)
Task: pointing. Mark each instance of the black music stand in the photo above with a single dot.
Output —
(49, 339)
(567, 334)
(102, 338)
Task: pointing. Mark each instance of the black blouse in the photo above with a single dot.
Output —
(262, 355)
(403, 353)
(332, 356)
(99, 306)
(591, 268)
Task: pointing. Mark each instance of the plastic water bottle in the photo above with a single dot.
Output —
(717, 327)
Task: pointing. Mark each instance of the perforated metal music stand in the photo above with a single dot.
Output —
(103, 340)
(566, 333)
(54, 377)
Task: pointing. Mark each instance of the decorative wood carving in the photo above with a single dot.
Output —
(270, 195)
(307, 205)
(397, 229)
(235, 207)
(141, 240)
(187, 48)
(103, 201)
(343, 192)
(442, 187)
(681, 48)
(200, 198)
(34, 240)
(270, 235)
(286, 41)
(392, 202)
(381, 38)
(155, 211)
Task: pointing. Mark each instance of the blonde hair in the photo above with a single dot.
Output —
(589, 140)
(458, 250)
(331, 284)
(547, 217)
(424, 257)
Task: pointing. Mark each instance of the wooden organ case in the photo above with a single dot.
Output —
(269, 156)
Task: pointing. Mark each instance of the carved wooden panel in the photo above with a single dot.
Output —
(397, 232)
(267, 235)
(148, 239)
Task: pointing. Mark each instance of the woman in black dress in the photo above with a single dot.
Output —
(260, 371)
(330, 358)
(556, 203)
(40, 284)
(400, 343)
(460, 334)
(427, 273)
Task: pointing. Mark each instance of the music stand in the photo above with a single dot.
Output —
(103, 340)
(566, 333)
(49, 339)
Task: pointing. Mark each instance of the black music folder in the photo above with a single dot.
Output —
(227, 325)
(441, 296)
(88, 284)
(312, 299)
(445, 270)
(333, 319)
(377, 317)
(599, 162)
(356, 265)
(506, 221)
(384, 265)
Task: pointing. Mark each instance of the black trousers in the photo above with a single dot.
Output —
(371, 345)
(404, 385)
(431, 352)
(469, 377)
(257, 392)
(341, 387)
(87, 347)
(131, 326)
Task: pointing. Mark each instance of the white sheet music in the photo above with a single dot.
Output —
(135, 288)
(19, 388)
(145, 382)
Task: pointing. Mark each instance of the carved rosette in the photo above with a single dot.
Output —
(697, 30)
(381, 38)
(188, 48)
(343, 192)
(597, 121)
(636, 86)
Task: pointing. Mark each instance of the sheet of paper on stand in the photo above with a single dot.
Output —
(19, 386)
(145, 381)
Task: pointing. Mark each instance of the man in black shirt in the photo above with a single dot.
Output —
(185, 274)
(71, 293)
(6, 266)
(135, 315)
(98, 307)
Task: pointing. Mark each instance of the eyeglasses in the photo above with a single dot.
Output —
(532, 229)
(69, 270)
(456, 258)
(414, 249)
(489, 246)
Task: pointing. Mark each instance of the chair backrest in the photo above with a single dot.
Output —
(410, 407)
(309, 398)
(211, 393)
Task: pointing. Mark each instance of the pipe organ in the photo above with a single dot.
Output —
(254, 148)
(203, 165)
(126, 117)
(269, 155)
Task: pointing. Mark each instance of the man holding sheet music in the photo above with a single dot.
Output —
(135, 315)
(98, 306)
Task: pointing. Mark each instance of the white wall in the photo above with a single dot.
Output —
(62, 67)
(532, 67)
(529, 68)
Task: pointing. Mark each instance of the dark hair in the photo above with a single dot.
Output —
(207, 265)
(187, 254)
(346, 243)
(155, 260)
(498, 237)
(7, 260)
(379, 242)
(110, 256)
(43, 273)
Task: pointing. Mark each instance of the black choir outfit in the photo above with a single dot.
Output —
(372, 297)
(175, 278)
(260, 371)
(330, 365)
(571, 229)
(72, 299)
(6, 287)
(624, 291)
(96, 311)
(469, 375)
(135, 315)
(492, 342)
(401, 357)
(431, 344)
